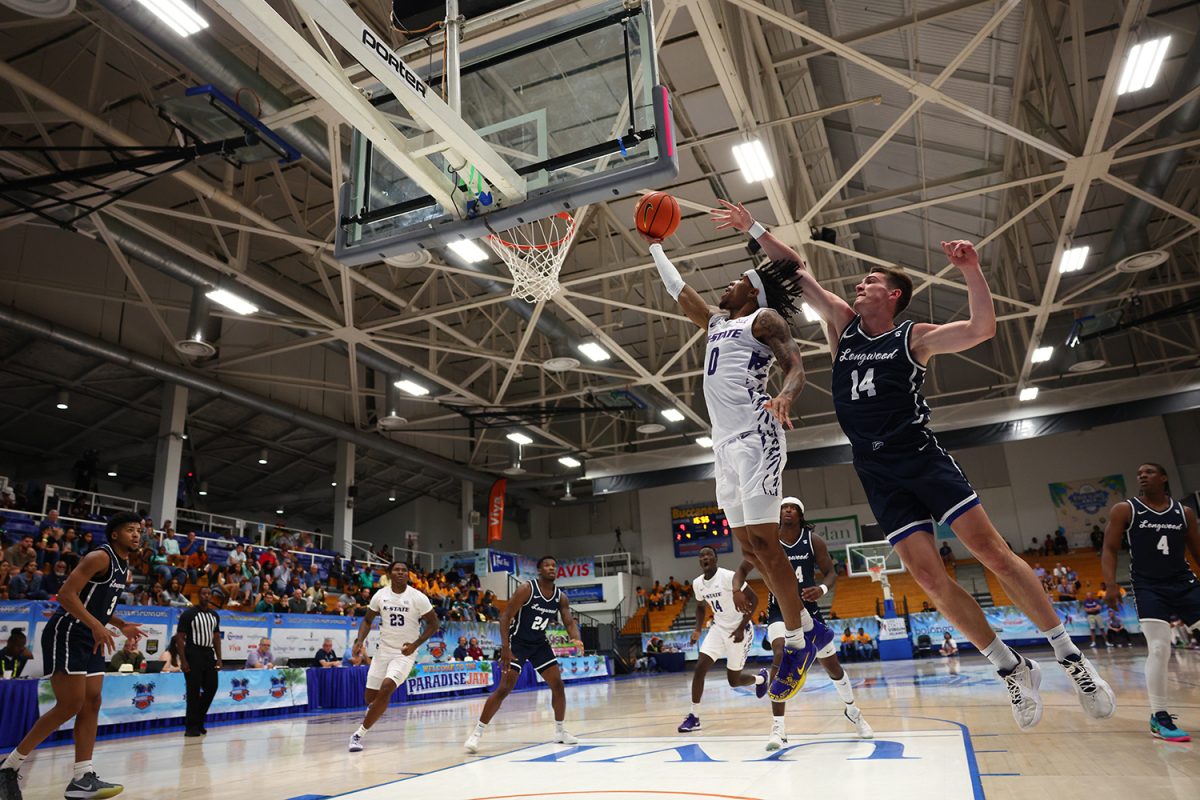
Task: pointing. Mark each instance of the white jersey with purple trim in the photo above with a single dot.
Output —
(735, 378)
(718, 593)
(399, 616)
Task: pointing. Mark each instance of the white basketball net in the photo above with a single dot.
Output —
(534, 253)
(875, 566)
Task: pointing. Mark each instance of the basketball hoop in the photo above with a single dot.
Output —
(534, 253)
(876, 572)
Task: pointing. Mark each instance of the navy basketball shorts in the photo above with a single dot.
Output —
(910, 487)
(67, 648)
(1159, 601)
(537, 653)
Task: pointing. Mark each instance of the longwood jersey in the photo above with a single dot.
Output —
(538, 614)
(800, 555)
(735, 378)
(1158, 545)
(877, 387)
(102, 592)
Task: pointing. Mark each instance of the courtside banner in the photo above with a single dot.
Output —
(575, 667)
(495, 525)
(437, 678)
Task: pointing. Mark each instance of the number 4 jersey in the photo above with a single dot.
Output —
(399, 616)
(877, 387)
(1157, 545)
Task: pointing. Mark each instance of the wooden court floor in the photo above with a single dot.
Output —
(943, 729)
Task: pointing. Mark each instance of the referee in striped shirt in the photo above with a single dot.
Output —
(198, 640)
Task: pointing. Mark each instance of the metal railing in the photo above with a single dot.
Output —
(614, 563)
(418, 558)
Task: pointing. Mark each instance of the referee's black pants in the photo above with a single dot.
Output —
(201, 680)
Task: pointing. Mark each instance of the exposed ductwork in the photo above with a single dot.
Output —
(206, 58)
(420, 460)
(1129, 234)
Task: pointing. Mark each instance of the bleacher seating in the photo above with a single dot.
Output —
(1085, 562)
(660, 619)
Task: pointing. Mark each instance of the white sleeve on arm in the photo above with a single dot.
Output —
(666, 271)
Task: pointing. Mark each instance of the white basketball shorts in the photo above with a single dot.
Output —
(749, 471)
(719, 643)
(390, 664)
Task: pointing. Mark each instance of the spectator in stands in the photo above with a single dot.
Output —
(197, 564)
(1034, 547)
(1039, 570)
(866, 647)
(348, 598)
(1048, 546)
(949, 646)
(296, 603)
(641, 597)
(87, 543)
(170, 656)
(656, 598)
(362, 602)
(49, 538)
(1066, 594)
(460, 652)
(926, 607)
(1116, 631)
(15, 655)
(27, 584)
(487, 607)
(1059, 570)
(5, 577)
(237, 556)
(848, 651)
(266, 603)
(173, 596)
(474, 651)
(188, 545)
(21, 553)
(68, 549)
(1103, 593)
(337, 575)
(1061, 547)
(339, 610)
(326, 658)
(54, 579)
(260, 657)
(947, 554)
(267, 562)
(159, 566)
(169, 542)
(315, 595)
(1097, 537)
(129, 654)
(1092, 608)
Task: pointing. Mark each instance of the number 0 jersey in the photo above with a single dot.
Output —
(718, 593)
(538, 614)
(399, 616)
(877, 387)
(735, 378)
(1158, 545)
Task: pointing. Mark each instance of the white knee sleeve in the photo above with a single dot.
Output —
(1158, 641)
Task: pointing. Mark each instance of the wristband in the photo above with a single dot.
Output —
(824, 590)
(757, 230)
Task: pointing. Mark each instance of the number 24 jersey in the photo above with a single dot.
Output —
(399, 615)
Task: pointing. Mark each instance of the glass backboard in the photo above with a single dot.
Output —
(857, 553)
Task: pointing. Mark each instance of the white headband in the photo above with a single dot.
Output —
(793, 501)
(757, 283)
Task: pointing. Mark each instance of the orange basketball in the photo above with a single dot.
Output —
(657, 215)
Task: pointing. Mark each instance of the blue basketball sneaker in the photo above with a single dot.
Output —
(690, 723)
(1163, 726)
(760, 688)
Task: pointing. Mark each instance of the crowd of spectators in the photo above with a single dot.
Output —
(662, 595)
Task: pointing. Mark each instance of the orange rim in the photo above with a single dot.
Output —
(546, 246)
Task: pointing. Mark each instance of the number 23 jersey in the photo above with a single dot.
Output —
(399, 616)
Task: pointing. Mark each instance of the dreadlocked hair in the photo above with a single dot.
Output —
(781, 281)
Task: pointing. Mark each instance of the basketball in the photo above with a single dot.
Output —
(657, 215)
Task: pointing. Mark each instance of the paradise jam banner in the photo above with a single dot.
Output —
(141, 697)
(1010, 624)
(438, 678)
(1081, 504)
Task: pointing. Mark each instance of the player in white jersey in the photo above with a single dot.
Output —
(747, 331)
(401, 610)
(731, 635)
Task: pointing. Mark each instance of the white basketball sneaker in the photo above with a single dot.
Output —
(356, 743)
(1095, 695)
(562, 737)
(777, 739)
(472, 743)
(1023, 682)
(855, 715)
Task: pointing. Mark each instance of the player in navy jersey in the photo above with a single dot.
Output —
(75, 646)
(1161, 531)
(532, 609)
(910, 481)
(807, 553)
(747, 332)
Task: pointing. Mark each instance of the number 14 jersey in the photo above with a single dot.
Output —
(718, 593)
(399, 615)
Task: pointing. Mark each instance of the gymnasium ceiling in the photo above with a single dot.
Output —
(987, 120)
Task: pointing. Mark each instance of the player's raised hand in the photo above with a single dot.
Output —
(731, 215)
(650, 239)
(961, 253)
(780, 407)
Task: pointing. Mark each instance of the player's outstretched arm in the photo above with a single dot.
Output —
(770, 329)
(701, 616)
(828, 571)
(833, 310)
(569, 621)
(954, 337)
(364, 628)
(1118, 521)
(689, 299)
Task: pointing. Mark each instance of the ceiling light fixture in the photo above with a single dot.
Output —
(232, 302)
(468, 251)
(1073, 259)
(809, 314)
(262, 456)
(392, 495)
(1142, 65)
(176, 15)
(1042, 354)
(112, 471)
(519, 438)
(672, 414)
(570, 461)
(203, 489)
(279, 511)
(752, 160)
(64, 401)
(1028, 393)
(704, 441)
(411, 387)
(594, 351)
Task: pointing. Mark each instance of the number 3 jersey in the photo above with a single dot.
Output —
(538, 614)
(877, 388)
(735, 378)
(718, 593)
(1158, 544)
(399, 616)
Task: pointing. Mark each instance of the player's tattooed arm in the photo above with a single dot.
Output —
(739, 580)
(1114, 531)
(771, 329)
